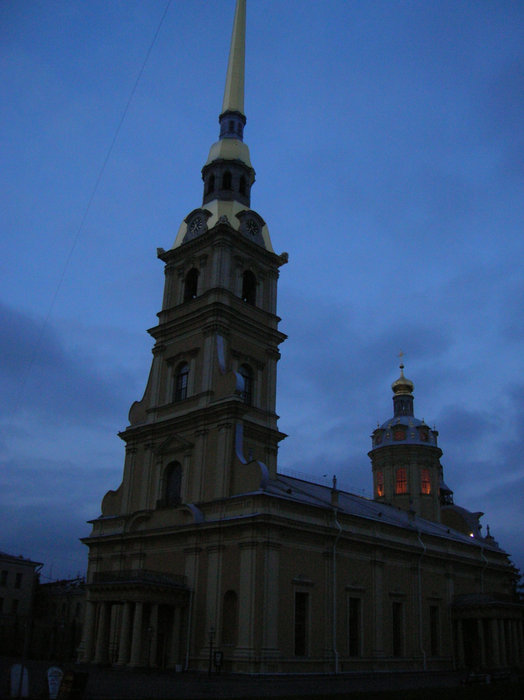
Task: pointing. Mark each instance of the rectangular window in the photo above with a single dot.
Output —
(425, 482)
(434, 630)
(18, 580)
(354, 628)
(3, 577)
(14, 606)
(398, 628)
(380, 484)
(301, 622)
(401, 481)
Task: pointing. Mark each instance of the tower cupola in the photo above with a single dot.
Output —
(406, 458)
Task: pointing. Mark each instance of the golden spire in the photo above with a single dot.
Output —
(234, 90)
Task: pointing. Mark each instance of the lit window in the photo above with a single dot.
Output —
(380, 484)
(425, 482)
(181, 380)
(401, 481)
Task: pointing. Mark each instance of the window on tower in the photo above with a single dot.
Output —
(247, 375)
(401, 480)
(242, 185)
(249, 287)
(425, 482)
(172, 484)
(210, 184)
(191, 285)
(226, 180)
(181, 380)
(380, 484)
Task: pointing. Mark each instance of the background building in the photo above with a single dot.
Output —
(205, 546)
(18, 581)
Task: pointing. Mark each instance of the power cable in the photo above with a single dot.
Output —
(83, 220)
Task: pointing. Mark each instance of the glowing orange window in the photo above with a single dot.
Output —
(425, 482)
(380, 483)
(401, 481)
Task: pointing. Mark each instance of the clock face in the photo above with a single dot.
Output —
(252, 227)
(195, 226)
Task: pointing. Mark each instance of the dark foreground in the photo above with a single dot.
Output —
(111, 684)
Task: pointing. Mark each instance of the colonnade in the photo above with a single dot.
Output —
(133, 633)
(489, 642)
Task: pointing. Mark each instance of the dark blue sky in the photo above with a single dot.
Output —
(388, 143)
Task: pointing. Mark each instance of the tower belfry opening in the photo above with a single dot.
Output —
(206, 547)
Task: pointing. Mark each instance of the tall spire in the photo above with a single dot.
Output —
(232, 119)
(234, 90)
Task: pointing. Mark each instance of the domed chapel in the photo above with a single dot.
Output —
(205, 547)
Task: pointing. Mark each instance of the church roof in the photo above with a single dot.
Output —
(319, 495)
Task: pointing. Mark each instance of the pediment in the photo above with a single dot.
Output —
(172, 444)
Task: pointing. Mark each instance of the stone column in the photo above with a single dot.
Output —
(377, 566)
(520, 637)
(136, 641)
(502, 642)
(214, 566)
(482, 643)
(153, 625)
(192, 572)
(174, 647)
(101, 637)
(246, 598)
(125, 630)
(89, 632)
(495, 660)
(460, 645)
(270, 645)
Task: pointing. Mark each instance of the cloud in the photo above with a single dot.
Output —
(40, 376)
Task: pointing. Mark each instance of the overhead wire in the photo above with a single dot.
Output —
(83, 220)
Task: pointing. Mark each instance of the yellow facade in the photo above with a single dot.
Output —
(205, 547)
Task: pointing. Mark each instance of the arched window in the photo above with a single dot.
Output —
(247, 375)
(210, 184)
(181, 378)
(401, 481)
(230, 618)
(242, 185)
(425, 482)
(191, 284)
(380, 484)
(249, 287)
(226, 180)
(172, 484)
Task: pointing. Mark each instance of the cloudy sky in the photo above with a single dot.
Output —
(388, 142)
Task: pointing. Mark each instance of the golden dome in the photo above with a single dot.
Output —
(402, 385)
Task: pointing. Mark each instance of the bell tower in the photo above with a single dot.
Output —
(405, 458)
(206, 427)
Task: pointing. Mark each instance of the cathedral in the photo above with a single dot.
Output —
(206, 556)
